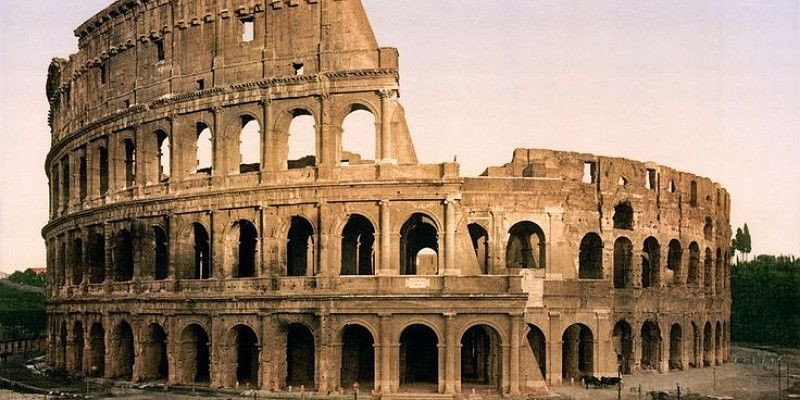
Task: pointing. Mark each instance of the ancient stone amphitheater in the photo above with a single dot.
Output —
(186, 244)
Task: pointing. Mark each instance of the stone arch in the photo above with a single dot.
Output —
(676, 347)
(300, 356)
(359, 130)
(62, 347)
(481, 355)
(695, 356)
(708, 267)
(718, 344)
(708, 345)
(201, 248)
(250, 146)
(242, 244)
(623, 346)
(651, 262)
(708, 229)
(124, 353)
(651, 346)
(129, 146)
(537, 341)
(160, 253)
(526, 246)
(675, 261)
(78, 343)
(123, 256)
(693, 274)
(357, 246)
(77, 261)
(718, 270)
(590, 257)
(358, 356)
(195, 355)
(204, 149)
(300, 249)
(155, 366)
(245, 355)
(302, 151)
(577, 352)
(418, 233)
(623, 260)
(102, 169)
(480, 244)
(419, 355)
(623, 215)
(97, 258)
(164, 155)
(97, 350)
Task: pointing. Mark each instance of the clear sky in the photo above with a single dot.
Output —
(709, 87)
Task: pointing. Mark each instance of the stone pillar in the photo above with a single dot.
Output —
(269, 160)
(450, 238)
(664, 347)
(217, 352)
(385, 267)
(321, 262)
(108, 237)
(326, 366)
(219, 165)
(387, 378)
(387, 146)
(514, 363)
(109, 363)
(450, 373)
(554, 347)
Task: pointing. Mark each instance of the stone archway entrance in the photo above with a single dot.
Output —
(419, 358)
(481, 357)
(358, 358)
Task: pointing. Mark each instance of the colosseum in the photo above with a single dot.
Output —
(189, 245)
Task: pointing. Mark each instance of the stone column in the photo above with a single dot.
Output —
(385, 267)
(554, 347)
(321, 262)
(268, 156)
(450, 238)
(385, 356)
(217, 352)
(326, 366)
(664, 348)
(108, 237)
(514, 363)
(387, 146)
(450, 372)
(219, 165)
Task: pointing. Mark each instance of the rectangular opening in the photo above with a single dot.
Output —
(652, 179)
(83, 176)
(160, 50)
(201, 84)
(299, 69)
(248, 30)
(693, 194)
(589, 172)
(103, 75)
(127, 103)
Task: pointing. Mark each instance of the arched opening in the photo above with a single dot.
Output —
(693, 274)
(590, 258)
(358, 136)
(623, 216)
(62, 263)
(481, 356)
(674, 257)
(623, 346)
(651, 255)
(708, 266)
(123, 352)
(718, 344)
(77, 261)
(302, 146)
(480, 243)
(708, 345)
(97, 258)
(102, 167)
(161, 270)
(247, 246)
(204, 150)
(694, 342)
(718, 271)
(249, 145)
(77, 347)
(623, 259)
(417, 233)
(154, 355)
(419, 356)
(538, 345)
(195, 357)
(708, 229)
(577, 352)
(164, 156)
(300, 253)
(123, 256)
(358, 239)
(130, 163)
(247, 353)
(202, 252)
(651, 346)
(526, 246)
(83, 178)
(358, 358)
(97, 350)
(62, 347)
(300, 356)
(676, 347)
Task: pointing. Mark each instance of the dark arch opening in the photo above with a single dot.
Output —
(708, 229)
(577, 352)
(623, 346)
(674, 260)
(77, 261)
(718, 272)
(164, 156)
(97, 258)
(97, 350)
(300, 253)
(247, 245)
(161, 270)
(538, 345)
(358, 254)
(123, 256)
(419, 355)
(651, 346)
(130, 163)
(77, 347)
(651, 255)
(358, 358)
(62, 343)
(123, 352)
(693, 274)
(480, 243)
(623, 255)
(418, 233)
(708, 351)
(245, 341)
(480, 356)
(195, 355)
(590, 258)
(676, 347)
(623, 216)
(708, 277)
(526, 246)
(300, 356)
(102, 161)
(202, 252)
(154, 355)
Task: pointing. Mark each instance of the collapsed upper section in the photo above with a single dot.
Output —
(137, 51)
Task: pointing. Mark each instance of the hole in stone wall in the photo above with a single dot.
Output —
(651, 346)
(577, 355)
(163, 143)
(419, 355)
(480, 243)
(358, 136)
(418, 233)
(358, 239)
(201, 84)
(651, 254)
(623, 345)
(83, 177)
(249, 145)
(358, 358)
(302, 141)
(300, 356)
(299, 69)
(590, 258)
(526, 246)
(300, 248)
(130, 163)
(248, 29)
(160, 53)
(205, 149)
(103, 170)
(651, 183)
(693, 194)
(623, 216)
(622, 181)
(202, 252)
(623, 254)
(589, 172)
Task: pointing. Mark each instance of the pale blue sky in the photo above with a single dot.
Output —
(710, 87)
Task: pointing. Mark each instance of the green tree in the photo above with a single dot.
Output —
(747, 244)
(736, 243)
(28, 277)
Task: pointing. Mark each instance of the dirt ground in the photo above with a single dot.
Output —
(753, 375)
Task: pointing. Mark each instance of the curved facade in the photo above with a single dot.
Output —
(190, 242)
